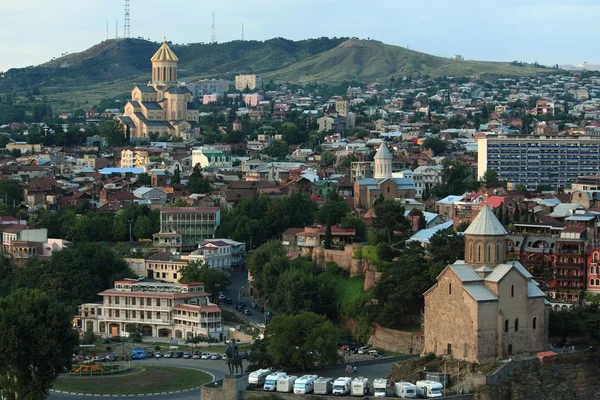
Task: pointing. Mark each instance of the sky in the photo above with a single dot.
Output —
(547, 31)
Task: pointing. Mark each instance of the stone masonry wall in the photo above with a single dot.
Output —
(395, 340)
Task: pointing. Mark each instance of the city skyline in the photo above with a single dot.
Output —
(539, 31)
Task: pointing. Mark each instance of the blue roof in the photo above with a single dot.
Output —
(424, 235)
(108, 171)
(428, 215)
(367, 182)
(465, 272)
(480, 292)
(449, 199)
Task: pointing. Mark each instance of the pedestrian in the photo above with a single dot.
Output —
(355, 369)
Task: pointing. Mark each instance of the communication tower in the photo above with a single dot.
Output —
(213, 37)
(127, 27)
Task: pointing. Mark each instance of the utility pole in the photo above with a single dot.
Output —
(242, 31)
(116, 29)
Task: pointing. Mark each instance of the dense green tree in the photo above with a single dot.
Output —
(37, 343)
(144, 179)
(436, 144)
(277, 149)
(346, 162)
(333, 210)
(215, 280)
(520, 188)
(456, 178)
(143, 227)
(490, 178)
(258, 356)
(389, 218)
(10, 192)
(197, 183)
(297, 290)
(327, 159)
(352, 221)
(112, 130)
(564, 324)
(296, 210)
(258, 259)
(305, 341)
(446, 246)
(291, 134)
(176, 180)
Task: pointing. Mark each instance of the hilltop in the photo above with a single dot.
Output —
(112, 67)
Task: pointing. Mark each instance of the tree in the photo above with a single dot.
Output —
(143, 179)
(436, 144)
(259, 258)
(258, 356)
(291, 134)
(215, 280)
(10, 192)
(197, 183)
(333, 210)
(327, 159)
(352, 221)
(143, 227)
(490, 178)
(346, 162)
(306, 340)
(564, 324)
(456, 178)
(297, 291)
(389, 218)
(37, 343)
(446, 246)
(112, 130)
(277, 149)
(176, 176)
(520, 188)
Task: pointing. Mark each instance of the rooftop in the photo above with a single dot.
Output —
(486, 224)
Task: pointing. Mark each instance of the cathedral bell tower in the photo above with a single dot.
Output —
(164, 66)
(383, 163)
(485, 240)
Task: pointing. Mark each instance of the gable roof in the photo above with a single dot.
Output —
(465, 272)
(383, 153)
(480, 292)
(501, 270)
(486, 223)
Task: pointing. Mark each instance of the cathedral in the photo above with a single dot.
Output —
(485, 307)
(162, 106)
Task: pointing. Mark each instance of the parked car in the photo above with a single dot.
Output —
(105, 340)
(222, 296)
(239, 308)
(168, 354)
(364, 349)
(228, 300)
(149, 354)
(187, 355)
(196, 355)
(205, 356)
(111, 358)
(252, 305)
(178, 354)
(242, 304)
(247, 312)
(215, 356)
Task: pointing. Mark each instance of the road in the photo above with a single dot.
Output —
(218, 369)
(239, 284)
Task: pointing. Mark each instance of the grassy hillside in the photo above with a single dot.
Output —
(367, 61)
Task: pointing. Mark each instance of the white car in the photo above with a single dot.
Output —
(205, 356)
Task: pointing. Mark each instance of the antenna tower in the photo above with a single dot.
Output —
(106, 29)
(116, 29)
(127, 29)
(242, 31)
(213, 37)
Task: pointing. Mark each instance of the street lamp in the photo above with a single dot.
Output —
(266, 314)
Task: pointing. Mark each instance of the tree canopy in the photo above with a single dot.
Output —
(456, 178)
(37, 343)
(389, 218)
(215, 280)
(436, 144)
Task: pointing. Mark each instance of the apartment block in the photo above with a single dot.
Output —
(183, 228)
(134, 158)
(251, 82)
(556, 161)
(161, 310)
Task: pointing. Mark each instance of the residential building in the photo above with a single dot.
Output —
(208, 86)
(331, 123)
(185, 227)
(211, 157)
(342, 107)
(556, 161)
(162, 106)
(21, 242)
(485, 307)
(164, 266)
(251, 82)
(162, 311)
(134, 158)
(150, 195)
(312, 237)
(214, 253)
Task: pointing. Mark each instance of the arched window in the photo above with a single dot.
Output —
(512, 291)
(478, 252)
(591, 282)
(534, 323)
(593, 270)
(516, 324)
(506, 326)
(449, 288)
(497, 252)
(489, 251)
(595, 257)
(597, 282)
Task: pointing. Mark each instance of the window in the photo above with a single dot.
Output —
(465, 351)
(512, 291)
(157, 302)
(593, 270)
(534, 323)
(517, 325)
(133, 301)
(506, 326)
(449, 350)
(591, 282)
(449, 288)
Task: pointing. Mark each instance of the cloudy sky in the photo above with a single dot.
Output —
(547, 31)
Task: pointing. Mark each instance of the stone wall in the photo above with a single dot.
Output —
(395, 340)
(228, 388)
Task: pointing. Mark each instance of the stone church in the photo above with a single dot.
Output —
(162, 106)
(485, 307)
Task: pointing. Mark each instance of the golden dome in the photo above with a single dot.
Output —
(164, 53)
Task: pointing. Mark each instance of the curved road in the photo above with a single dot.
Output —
(219, 369)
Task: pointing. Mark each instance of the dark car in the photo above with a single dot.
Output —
(242, 304)
(240, 308)
(178, 354)
(227, 300)
(243, 354)
(247, 312)
(111, 358)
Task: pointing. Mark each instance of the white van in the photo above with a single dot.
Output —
(405, 390)
(271, 381)
(257, 378)
(305, 384)
(285, 384)
(429, 389)
(341, 386)
(380, 387)
(360, 386)
(323, 386)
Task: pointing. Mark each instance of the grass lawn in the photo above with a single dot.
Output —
(148, 379)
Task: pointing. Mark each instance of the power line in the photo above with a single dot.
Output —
(213, 37)
(127, 27)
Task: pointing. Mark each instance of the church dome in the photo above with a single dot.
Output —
(164, 53)
(486, 224)
(383, 153)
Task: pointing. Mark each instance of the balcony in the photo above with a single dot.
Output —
(138, 307)
(569, 265)
(144, 321)
(569, 277)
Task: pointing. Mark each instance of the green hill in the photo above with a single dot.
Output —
(367, 61)
(111, 68)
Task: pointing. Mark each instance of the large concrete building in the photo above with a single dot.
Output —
(161, 310)
(485, 307)
(211, 158)
(162, 106)
(184, 228)
(556, 161)
(252, 82)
